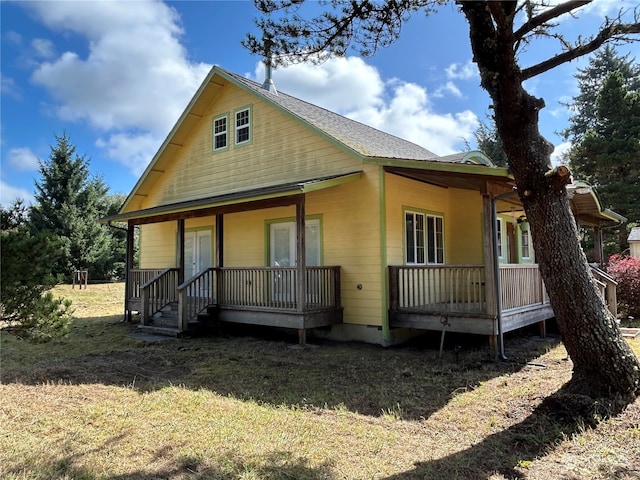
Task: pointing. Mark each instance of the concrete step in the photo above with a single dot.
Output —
(159, 330)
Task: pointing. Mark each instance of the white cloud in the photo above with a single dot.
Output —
(135, 77)
(13, 37)
(340, 84)
(353, 88)
(132, 150)
(8, 194)
(8, 87)
(44, 48)
(449, 88)
(557, 157)
(457, 71)
(23, 159)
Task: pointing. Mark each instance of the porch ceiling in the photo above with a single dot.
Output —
(498, 184)
(252, 199)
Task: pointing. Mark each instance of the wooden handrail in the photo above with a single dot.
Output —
(195, 295)
(158, 292)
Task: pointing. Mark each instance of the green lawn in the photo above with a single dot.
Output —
(99, 404)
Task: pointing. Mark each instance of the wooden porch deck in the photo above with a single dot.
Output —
(265, 296)
(453, 298)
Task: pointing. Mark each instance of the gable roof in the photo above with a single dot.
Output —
(634, 235)
(357, 138)
(362, 139)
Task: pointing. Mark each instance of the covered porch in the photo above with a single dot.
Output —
(171, 301)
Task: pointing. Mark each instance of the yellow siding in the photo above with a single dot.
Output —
(461, 209)
(281, 149)
(465, 228)
(158, 245)
(350, 235)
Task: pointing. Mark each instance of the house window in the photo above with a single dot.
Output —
(243, 126)
(525, 239)
(424, 239)
(499, 236)
(220, 133)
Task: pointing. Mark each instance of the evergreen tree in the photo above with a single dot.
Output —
(608, 155)
(27, 309)
(590, 81)
(68, 204)
(490, 143)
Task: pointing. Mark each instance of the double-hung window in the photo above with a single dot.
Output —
(424, 239)
(524, 235)
(220, 133)
(243, 126)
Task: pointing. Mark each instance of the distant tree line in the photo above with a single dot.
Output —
(45, 243)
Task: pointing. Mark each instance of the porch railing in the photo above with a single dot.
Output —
(276, 287)
(461, 288)
(521, 286)
(244, 287)
(138, 277)
(438, 288)
(158, 292)
(195, 295)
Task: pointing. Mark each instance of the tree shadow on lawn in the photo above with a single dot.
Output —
(510, 451)
(409, 382)
(272, 466)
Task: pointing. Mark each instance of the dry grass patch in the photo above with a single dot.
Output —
(100, 405)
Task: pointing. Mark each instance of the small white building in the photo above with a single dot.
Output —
(634, 242)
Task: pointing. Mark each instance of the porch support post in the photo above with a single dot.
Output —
(219, 260)
(127, 270)
(219, 241)
(490, 264)
(598, 252)
(180, 251)
(301, 268)
(488, 240)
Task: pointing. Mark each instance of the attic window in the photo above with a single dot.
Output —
(243, 126)
(220, 132)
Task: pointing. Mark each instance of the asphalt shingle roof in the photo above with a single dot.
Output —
(361, 138)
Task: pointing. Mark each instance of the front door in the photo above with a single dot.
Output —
(197, 255)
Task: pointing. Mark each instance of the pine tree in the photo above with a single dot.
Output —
(27, 309)
(590, 81)
(608, 154)
(68, 203)
(490, 143)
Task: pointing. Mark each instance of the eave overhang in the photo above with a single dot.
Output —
(263, 197)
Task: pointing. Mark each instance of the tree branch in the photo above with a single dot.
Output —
(547, 15)
(607, 33)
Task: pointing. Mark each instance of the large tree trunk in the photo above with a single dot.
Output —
(603, 363)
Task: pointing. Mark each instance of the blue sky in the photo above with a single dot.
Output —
(116, 75)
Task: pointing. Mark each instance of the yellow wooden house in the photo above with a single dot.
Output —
(260, 208)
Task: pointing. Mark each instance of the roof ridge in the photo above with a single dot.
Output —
(360, 137)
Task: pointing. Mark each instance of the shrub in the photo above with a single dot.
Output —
(626, 271)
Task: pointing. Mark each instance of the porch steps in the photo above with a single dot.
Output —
(165, 322)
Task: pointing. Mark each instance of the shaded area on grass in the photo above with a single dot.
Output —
(275, 466)
(509, 452)
(407, 382)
